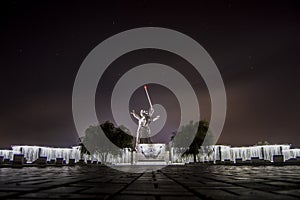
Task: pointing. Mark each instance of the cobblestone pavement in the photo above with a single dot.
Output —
(172, 182)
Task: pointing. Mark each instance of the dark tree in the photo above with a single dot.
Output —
(201, 129)
(120, 136)
(95, 139)
(83, 149)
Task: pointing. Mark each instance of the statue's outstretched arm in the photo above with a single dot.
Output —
(155, 118)
(151, 111)
(135, 115)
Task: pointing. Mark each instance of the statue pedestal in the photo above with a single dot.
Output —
(152, 154)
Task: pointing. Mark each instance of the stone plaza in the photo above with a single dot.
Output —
(191, 181)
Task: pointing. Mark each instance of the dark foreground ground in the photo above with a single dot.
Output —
(172, 182)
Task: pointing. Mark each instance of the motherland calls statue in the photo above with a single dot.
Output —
(144, 118)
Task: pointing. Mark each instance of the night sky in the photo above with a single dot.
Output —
(255, 45)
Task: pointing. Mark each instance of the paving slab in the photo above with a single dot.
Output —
(172, 182)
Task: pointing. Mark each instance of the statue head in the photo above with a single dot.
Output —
(143, 113)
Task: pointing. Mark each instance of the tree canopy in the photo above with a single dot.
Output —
(184, 136)
(98, 138)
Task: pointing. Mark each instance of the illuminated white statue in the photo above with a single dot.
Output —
(144, 118)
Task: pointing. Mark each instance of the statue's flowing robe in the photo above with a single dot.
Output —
(144, 131)
(144, 135)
